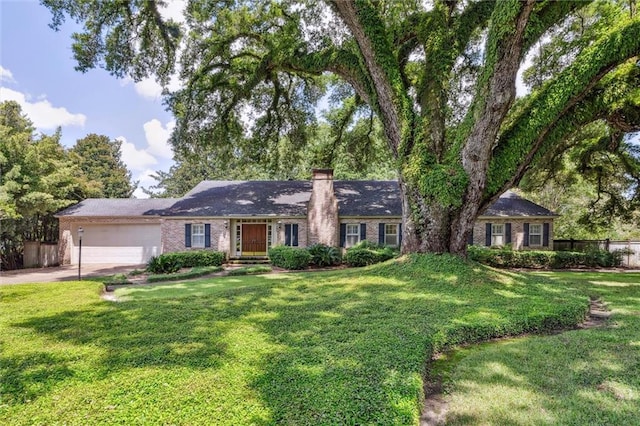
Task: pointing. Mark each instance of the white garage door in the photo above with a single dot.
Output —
(117, 243)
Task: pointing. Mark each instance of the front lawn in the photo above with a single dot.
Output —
(341, 347)
(575, 378)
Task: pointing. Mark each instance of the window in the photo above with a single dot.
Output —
(197, 235)
(352, 235)
(291, 234)
(497, 234)
(535, 234)
(391, 234)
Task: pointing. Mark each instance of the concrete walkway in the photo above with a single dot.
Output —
(63, 273)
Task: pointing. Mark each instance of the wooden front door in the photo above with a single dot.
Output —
(254, 239)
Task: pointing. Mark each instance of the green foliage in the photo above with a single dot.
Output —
(289, 257)
(101, 160)
(187, 275)
(117, 279)
(249, 270)
(324, 255)
(172, 262)
(507, 258)
(434, 79)
(366, 253)
(37, 179)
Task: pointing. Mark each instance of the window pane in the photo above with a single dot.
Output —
(535, 240)
(353, 229)
(391, 240)
(197, 235)
(352, 240)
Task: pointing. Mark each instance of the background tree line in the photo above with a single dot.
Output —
(39, 177)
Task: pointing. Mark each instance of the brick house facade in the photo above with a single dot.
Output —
(245, 218)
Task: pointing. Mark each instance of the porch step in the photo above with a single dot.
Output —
(256, 260)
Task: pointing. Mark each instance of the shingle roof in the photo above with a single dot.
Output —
(511, 204)
(100, 207)
(368, 198)
(280, 198)
(244, 198)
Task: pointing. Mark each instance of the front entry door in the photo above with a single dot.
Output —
(254, 239)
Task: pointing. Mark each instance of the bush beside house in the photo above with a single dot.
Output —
(507, 258)
(168, 263)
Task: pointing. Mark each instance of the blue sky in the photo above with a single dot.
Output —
(37, 70)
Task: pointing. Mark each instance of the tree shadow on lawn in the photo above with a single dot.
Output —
(577, 377)
(351, 346)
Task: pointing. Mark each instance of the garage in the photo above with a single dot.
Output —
(124, 244)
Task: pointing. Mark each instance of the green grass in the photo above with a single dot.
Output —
(575, 378)
(339, 347)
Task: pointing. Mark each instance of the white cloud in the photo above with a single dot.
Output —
(6, 75)
(144, 181)
(174, 9)
(135, 159)
(150, 89)
(43, 115)
(158, 136)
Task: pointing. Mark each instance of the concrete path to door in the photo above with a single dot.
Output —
(63, 273)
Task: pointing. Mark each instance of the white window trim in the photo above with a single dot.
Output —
(535, 234)
(196, 236)
(355, 235)
(388, 234)
(497, 230)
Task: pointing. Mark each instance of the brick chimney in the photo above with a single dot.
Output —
(322, 215)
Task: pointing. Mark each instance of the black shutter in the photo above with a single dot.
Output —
(470, 238)
(363, 231)
(294, 235)
(399, 235)
(207, 235)
(287, 234)
(381, 234)
(343, 234)
(507, 233)
(187, 235)
(526, 235)
(487, 236)
(545, 234)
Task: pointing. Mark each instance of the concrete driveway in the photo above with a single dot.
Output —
(63, 273)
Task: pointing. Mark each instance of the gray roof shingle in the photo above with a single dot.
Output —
(511, 204)
(244, 198)
(280, 198)
(118, 207)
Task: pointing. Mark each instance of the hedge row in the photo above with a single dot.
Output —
(168, 263)
(507, 258)
(362, 254)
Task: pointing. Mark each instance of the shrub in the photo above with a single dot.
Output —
(250, 270)
(324, 255)
(117, 279)
(193, 273)
(543, 259)
(366, 253)
(168, 263)
(289, 257)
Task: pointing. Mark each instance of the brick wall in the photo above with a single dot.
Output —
(323, 210)
(173, 235)
(517, 232)
(372, 226)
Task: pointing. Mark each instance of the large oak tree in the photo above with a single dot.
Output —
(439, 76)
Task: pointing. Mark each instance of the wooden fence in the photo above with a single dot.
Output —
(630, 259)
(40, 254)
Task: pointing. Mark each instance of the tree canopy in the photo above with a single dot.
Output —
(439, 78)
(100, 159)
(39, 177)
